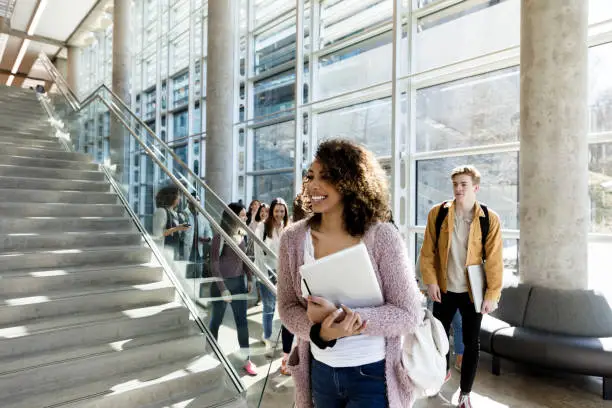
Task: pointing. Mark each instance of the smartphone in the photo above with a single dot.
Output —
(187, 225)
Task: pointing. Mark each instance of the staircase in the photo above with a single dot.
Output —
(87, 319)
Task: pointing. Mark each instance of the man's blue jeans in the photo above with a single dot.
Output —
(349, 387)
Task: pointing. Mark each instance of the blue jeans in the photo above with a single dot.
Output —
(348, 387)
(457, 325)
(269, 303)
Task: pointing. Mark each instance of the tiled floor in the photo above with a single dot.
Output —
(517, 387)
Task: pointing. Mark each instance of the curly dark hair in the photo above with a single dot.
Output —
(298, 209)
(356, 174)
(167, 196)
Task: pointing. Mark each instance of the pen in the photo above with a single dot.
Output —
(307, 288)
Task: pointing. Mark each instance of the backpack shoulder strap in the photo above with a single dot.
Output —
(440, 219)
(484, 229)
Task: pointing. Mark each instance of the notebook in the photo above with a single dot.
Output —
(476, 275)
(346, 277)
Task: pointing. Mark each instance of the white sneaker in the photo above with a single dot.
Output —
(464, 401)
(268, 344)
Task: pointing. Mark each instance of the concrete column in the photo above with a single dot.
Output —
(554, 206)
(72, 68)
(220, 96)
(122, 22)
(62, 66)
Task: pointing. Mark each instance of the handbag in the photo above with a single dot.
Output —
(424, 355)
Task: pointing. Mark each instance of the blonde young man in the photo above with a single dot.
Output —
(460, 233)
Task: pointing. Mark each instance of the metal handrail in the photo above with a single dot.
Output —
(228, 239)
(79, 105)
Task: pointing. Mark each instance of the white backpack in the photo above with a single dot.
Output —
(424, 356)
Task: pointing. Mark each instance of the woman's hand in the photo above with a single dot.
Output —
(351, 325)
(319, 308)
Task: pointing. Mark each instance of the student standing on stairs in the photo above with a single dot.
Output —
(461, 233)
(270, 233)
(167, 227)
(197, 240)
(233, 282)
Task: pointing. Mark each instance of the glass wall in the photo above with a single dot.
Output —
(454, 98)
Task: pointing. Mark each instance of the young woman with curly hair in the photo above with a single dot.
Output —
(344, 357)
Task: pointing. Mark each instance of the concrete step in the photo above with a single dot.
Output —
(61, 225)
(47, 163)
(23, 114)
(90, 328)
(56, 196)
(225, 398)
(51, 144)
(13, 104)
(44, 133)
(203, 383)
(82, 300)
(8, 182)
(38, 153)
(39, 280)
(8, 209)
(51, 173)
(89, 369)
(54, 241)
(31, 361)
(27, 127)
(137, 388)
(62, 258)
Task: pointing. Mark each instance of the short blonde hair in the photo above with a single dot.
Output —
(467, 170)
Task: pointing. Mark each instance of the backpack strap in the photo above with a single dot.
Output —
(484, 230)
(440, 219)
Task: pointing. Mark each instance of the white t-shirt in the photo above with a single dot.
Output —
(457, 257)
(351, 351)
(265, 261)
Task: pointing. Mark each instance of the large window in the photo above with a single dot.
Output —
(275, 94)
(341, 19)
(480, 110)
(274, 146)
(367, 123)
(468, 29)
(180, 124)
(600, 187)
(358, 66)
(267, 187)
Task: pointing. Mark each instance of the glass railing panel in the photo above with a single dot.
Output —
(212, 272)
(190, 251)
(87, 137)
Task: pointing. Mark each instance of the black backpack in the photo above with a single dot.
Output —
(484, 225)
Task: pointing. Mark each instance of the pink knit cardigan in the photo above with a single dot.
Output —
(400, 314)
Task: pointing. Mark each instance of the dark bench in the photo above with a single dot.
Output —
(569, 331)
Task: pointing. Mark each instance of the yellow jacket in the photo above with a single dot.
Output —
(434, 267)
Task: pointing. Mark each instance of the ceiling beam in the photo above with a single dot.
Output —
(20, 75)
(36, 38)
